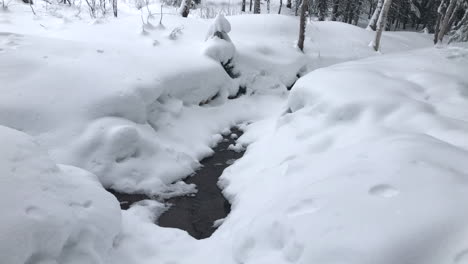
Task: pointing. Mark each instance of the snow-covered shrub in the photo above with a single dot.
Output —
(219, 45)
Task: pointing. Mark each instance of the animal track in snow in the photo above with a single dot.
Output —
(384, 190)
(461, 257)
(34, 212)
(307, 206)
(86, 204)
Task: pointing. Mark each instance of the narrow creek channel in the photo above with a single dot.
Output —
(197, 213)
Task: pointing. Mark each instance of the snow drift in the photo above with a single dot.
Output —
(51, 213)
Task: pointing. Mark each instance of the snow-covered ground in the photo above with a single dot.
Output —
(362, 162)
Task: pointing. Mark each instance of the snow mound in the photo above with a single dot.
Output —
(51, 213)
(220, 24)
(367, 166)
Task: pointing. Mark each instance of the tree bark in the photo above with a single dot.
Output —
(250, 6)
(373, 21)
(114, 7)
(322, 7)
(440, 15)
(445, 23)
(302, 24)
(243, 6)
(256, 6)
(185, 7)
(381, 23)
(288, 4)
(357, 13)
(336, 5)
(280, 6)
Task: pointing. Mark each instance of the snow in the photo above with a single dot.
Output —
(220, 24)
(362, 162)
(51, 213)
(367, 168)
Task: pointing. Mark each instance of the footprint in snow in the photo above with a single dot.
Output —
(384, 190)
(307, 206)
(461, 257)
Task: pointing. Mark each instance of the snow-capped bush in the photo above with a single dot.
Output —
(219, 45)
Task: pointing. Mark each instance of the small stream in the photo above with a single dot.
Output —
(197, 213)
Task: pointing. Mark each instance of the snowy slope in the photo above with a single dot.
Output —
(363, 162)
(368, 167)
(98, 93)
(371, 170)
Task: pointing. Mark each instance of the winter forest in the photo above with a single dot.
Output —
(234, 131)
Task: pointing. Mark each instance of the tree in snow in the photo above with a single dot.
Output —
(114, 7)
(219, 45)
(335, 8)
(302, 24)
(460, 30)
(184, 8)
(447, 14)
(381, 23)
(322, 6)
(373, 21)
(256, 6)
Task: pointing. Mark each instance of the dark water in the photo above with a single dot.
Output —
(196, 214)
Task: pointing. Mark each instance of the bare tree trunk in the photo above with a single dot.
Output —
(268, 6)
(250, 6)
(336, 5)
(243, 6)
(256, 6)
(114, 7)
(184, 9)
(440, 15)
(296, 7)
(357, 13)
(373, 21)
(280, 6)
(381, 23)
(322, 8)
(371, 9)
(288, 4)
(302, 24)
(30, 5)
(347, 12)
(445, 24)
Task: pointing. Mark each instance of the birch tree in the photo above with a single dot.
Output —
(461, 28)
(373, 21)
(381, 23)
(447, 19)
(184, 8)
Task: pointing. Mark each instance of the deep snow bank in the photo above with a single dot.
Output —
(369, 166)
(51, 213)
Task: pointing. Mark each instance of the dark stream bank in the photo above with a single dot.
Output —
(196, 214)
